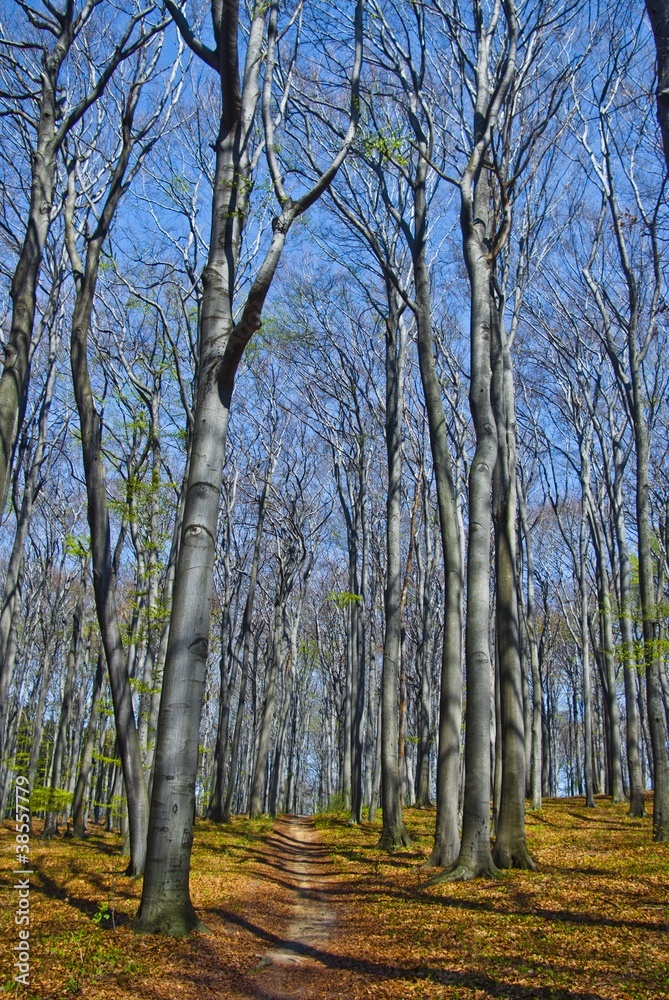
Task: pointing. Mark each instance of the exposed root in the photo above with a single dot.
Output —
(394, 840)
(461, 873)
(172, 921)
(514, 857)
(456, 873)
(439, 858)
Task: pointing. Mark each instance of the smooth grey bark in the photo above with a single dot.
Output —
(617, 454)
(227, 671)
(374, 716)
(78, 802)
(537, 692)
(654, 699)
(359, 676)
(152, 644)
(510, 845)
(527, 703)
(288, 688)
(290, 564)
(649, 610)
(75, 743)
(447, 834)
(475, 856)
(38, 728)
(166, 906)
(580, 561)
(607, 647)
(393, 834)
(226, 690)
(424, 655)
(637, 804)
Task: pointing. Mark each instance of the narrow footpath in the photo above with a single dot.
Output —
(294, 966)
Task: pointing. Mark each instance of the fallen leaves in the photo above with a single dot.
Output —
(590, 924)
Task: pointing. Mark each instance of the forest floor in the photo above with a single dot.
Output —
(310, 908)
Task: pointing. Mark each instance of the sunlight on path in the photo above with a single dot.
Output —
(293, 970)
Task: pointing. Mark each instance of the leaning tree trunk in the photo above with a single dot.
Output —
(52, 128)
(16, 371)
(104, 577)
(11, 598)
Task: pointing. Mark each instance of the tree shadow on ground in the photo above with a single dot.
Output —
(90, 908)
(379, 971)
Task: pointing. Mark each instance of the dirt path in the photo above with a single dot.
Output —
(292, 968)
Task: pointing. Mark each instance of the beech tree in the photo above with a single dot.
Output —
(166, 905)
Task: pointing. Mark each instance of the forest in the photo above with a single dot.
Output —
(334, 433)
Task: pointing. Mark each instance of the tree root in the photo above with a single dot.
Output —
(514, 857)
(394, 841)
(436, 858)
(461, 873)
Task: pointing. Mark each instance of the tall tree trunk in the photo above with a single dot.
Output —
(393, 834)
(424, 660)
(537, 693)
(226, 690)
(11, 598)
(656, 714)
(246, 639)
(475, 857)
(78, 802)
(608, 662)
(52, 129)
(280, 651)
(51, 820)
(98, 516)
(510, 846)
(588, 768)
(447, 833)
(166, 906)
